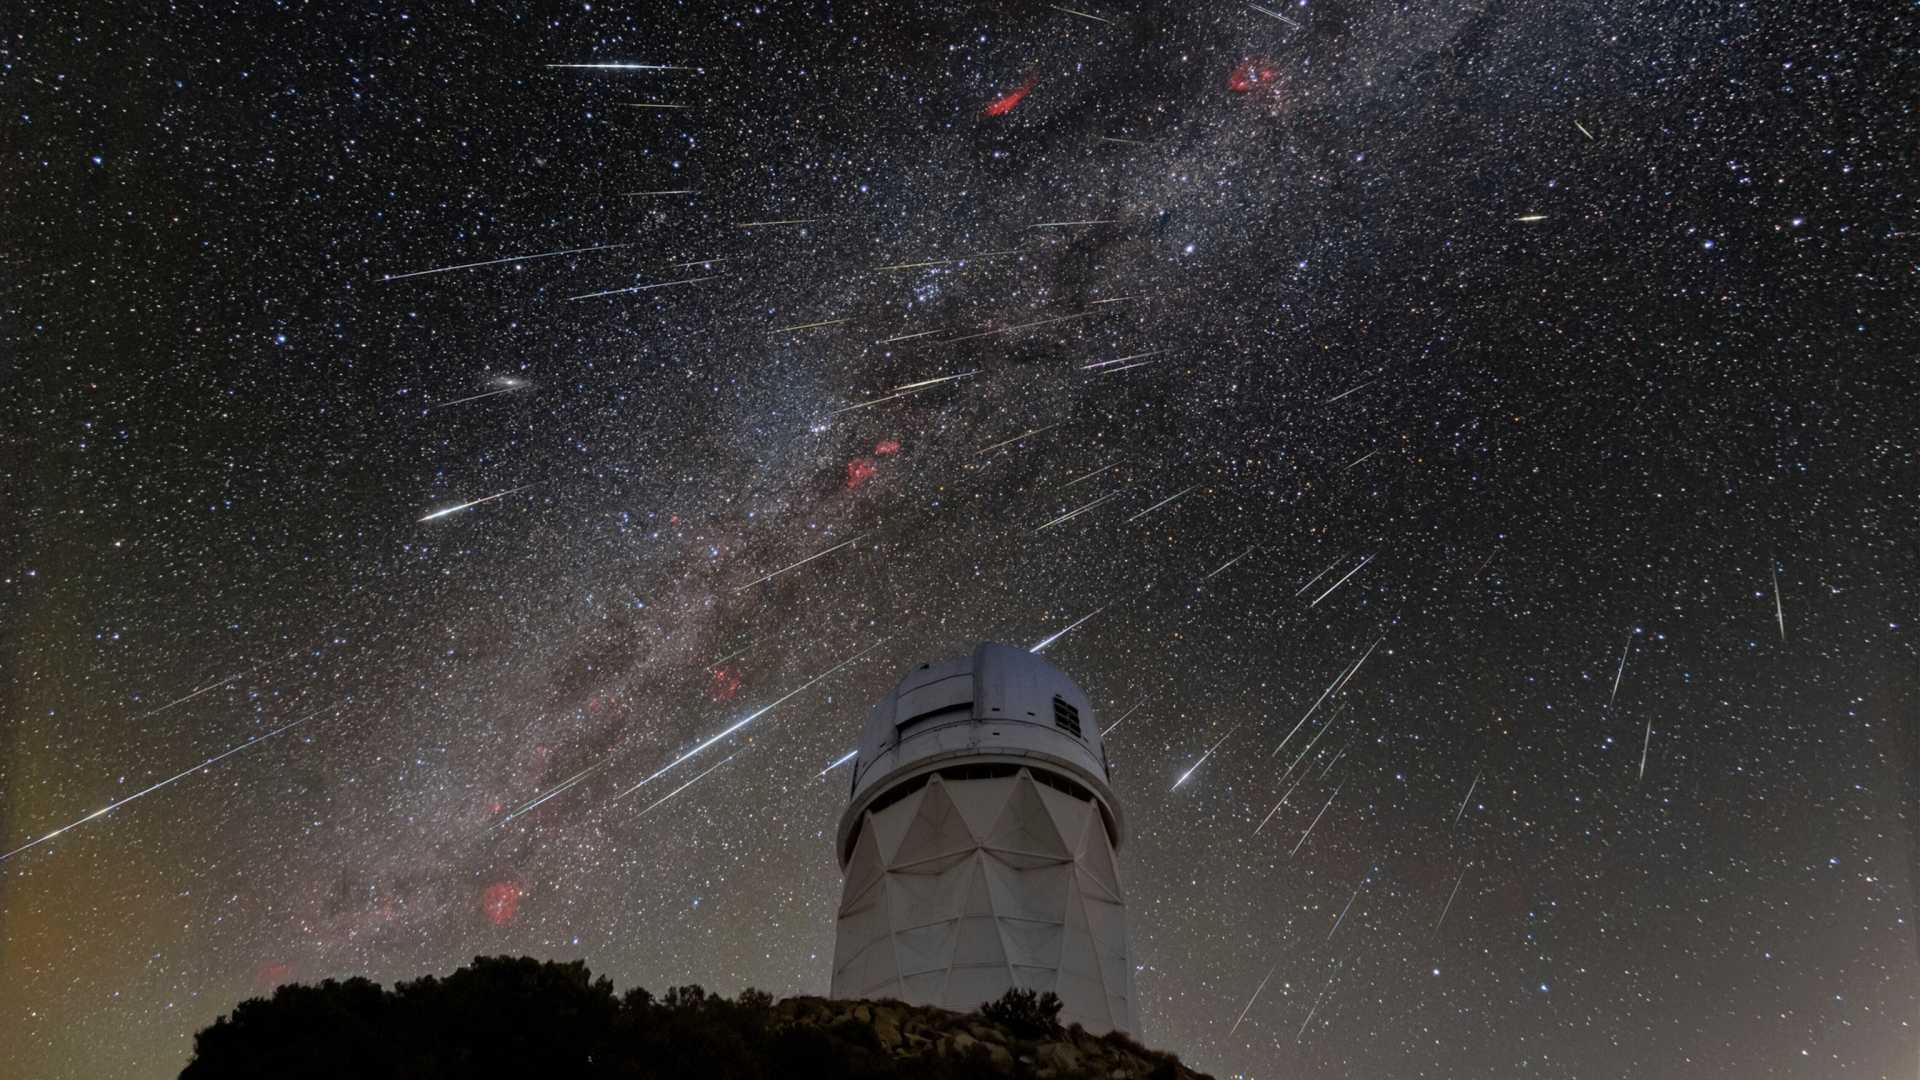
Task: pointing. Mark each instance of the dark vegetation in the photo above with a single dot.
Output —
(1026, 1014)
(519, 1018)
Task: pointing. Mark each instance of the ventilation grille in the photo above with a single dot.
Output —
(1066, 717)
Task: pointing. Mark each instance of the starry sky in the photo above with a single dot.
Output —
(1472, 444)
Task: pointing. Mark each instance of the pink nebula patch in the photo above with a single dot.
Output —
(887, 446)
(1251, 75)
(859, 471)
(501, 902)
(1004, 104)
(725, 684)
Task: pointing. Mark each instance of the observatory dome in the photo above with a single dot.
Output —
(979, 845)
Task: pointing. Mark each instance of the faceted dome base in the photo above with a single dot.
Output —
(966, 888)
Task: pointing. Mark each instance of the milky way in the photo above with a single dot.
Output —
(1470, 446)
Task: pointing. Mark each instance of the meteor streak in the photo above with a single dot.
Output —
(496, 262)
(1071, 514)
(1645, 744)
(1317, 1004)
(783, 221)
(1315, 825)
(1332, 687)
(1342, 581)
(1087, 476)
(476, 502)
(872, 401)
(1065, 224)
(1229, 563)
(1583, 130)
(1451, 895)
(1350, 900)
(1349, 390)
(563, 786)
(948, 262)
(810, 325)
(674, 191)
(933, 382)
(516, 385)
(803, 562)
(1019, 326)
(841, 760)
(1360, 459)
(1275, 14)
(1623, 670)
(1317, 577)
(750, 718)
(624, 67)
(1468, 799)
(1041, 645)
(1251, 1000)
(1017, 438)
(209, 688)
(1121, 359)
(1161, 503)
(1531, 217)
(682, 787)
(1203, 758)
(644, 288)
(1278, 805)
(1123, 717)
(905, 337)
(1083, 15)
(1779, 612)
(648, 105)
(150, 789)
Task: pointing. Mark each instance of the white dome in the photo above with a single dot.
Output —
(978, 846)
(998, 704)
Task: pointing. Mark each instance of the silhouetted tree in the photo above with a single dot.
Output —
(1025, 1013)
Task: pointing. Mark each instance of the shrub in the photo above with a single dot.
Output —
(1025, 1013)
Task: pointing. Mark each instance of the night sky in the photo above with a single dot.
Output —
(1552, 362)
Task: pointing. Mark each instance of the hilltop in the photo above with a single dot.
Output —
(519, 1017)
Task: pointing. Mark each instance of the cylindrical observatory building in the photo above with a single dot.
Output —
(978, 845)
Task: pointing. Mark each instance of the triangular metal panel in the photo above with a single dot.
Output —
(1036, 978)
(1025, 826)
(975, 893)
(1031, 944)
(863, 869)
(1038, 893)
(980, 802)
(1096, 856)
(889, 826)
(976, 942)
(937, 829)
(923, 949)
(1069, 815)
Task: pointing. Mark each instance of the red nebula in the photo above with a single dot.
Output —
(1250, 75)
(725, 685)
(501, 902)
(887, 446)
(859, 471)
(271, 973)
(1004, 104)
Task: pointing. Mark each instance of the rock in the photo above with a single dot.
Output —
(863, 1014)
(986, 1034)
(1058, 1056)
(886, 1028)
(958, 1043)
(1001, 1056)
